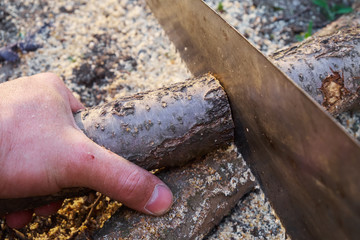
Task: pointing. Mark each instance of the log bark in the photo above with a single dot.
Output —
(162, 128)
(326, 65)
(204, 192)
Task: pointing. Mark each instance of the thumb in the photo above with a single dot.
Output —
(92, 166)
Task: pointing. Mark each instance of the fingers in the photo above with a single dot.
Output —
(22, 218)
(95, 167)
(75, 104)
(52, 78)
(19, 219)
(49, 209)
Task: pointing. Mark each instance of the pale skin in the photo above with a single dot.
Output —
(42, 151)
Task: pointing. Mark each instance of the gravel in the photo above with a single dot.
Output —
(110, 48)
(252, 218)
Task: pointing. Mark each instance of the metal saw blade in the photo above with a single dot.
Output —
(305, 162)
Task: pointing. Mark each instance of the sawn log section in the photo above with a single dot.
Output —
(163, 128)
(204, 191)
(155, 129)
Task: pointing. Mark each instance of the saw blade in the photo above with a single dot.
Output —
(305, 162)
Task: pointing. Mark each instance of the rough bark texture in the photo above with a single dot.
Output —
(162, 128)
(333, 50)
(204, 192)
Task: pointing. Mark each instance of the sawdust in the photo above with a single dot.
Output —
(75, 217)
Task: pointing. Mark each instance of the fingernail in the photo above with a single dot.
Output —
(160, 200)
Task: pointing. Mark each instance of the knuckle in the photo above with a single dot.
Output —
(49, 76)
(50, 79)
(132, 185)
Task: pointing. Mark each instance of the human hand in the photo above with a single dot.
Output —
(42, 151)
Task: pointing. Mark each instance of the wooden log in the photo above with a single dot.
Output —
(326, 64)
(162, 128)
(204, 191)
